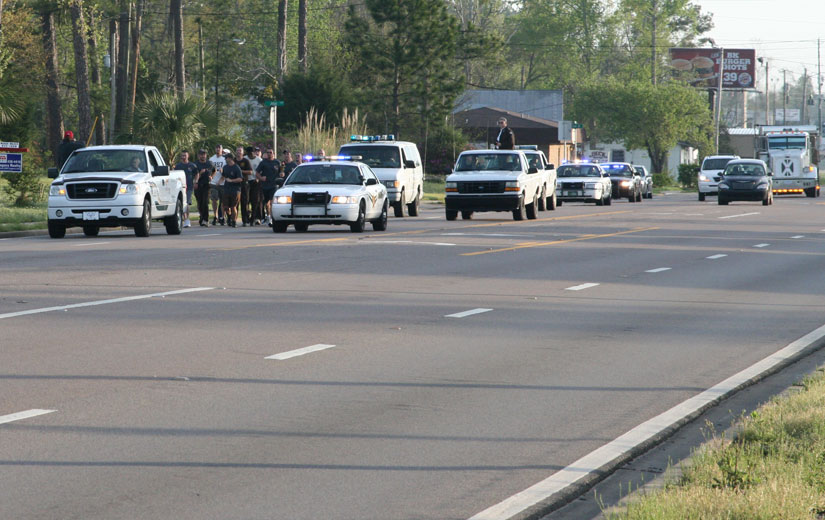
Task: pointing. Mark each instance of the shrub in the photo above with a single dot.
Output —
(688, 174)
(24, 188)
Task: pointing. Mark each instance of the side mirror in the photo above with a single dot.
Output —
(372, 181)
(409, 164)
(551, 166)
(532, 169)
(160, 171)
(53, 173)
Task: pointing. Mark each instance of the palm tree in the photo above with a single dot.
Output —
(172, 123)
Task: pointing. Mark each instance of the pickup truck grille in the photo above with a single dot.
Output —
(573, 185)
(91, 190)
(311, 199)
(481, 187)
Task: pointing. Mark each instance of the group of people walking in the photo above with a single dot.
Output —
(228, 180)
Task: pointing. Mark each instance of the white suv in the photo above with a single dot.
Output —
(711, 173)
(397, 165)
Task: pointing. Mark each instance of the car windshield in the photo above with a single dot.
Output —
(375, 156)
(92, 161)
(618, 170)
(325, 174)
(745, 170)
(715, 164)
(488, 162)
(578, 170)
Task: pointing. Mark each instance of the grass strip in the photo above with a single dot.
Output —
(773, 468)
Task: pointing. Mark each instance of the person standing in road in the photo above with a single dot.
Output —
(289, 163)
(255, 198)
(247, 171)
(190, 170)
(202, 179)
(506, 139)
(66, 148)
(299, 158)
(232, 184)
(215, 185)
(268, 173)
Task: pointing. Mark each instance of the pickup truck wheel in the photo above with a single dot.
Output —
(412, 207)
(520, 213)
(559, 203)
(466, 215)
(358, 225)
(56, 230)
(551, 202)
(91, 231)
(600, 202)
(701, 197)
(301, 227)
(632, 197)
(608, 200)
(144, 226)
(542, 202)
(398, 207)
(174, 223)
(380, 224)
(451, 214)
(279, 227)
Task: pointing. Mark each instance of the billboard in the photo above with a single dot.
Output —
(700, 67)
(11, 162)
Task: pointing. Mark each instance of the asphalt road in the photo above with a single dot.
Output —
(454, 364)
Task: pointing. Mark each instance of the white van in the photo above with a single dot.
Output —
(711, 173)
(397, 165)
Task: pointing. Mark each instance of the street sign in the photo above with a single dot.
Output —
(576, 125)
(9, 144)
(273, 103)
(11, 162)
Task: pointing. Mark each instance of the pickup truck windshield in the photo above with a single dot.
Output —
(325, 174)
(375, 156)
(93, 161)
(488, 162)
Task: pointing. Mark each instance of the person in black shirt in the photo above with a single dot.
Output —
(202, 177)
(246, 169)
(66, 148)
(269, 173)
(506, 140)
(289, 164)
(190, 170)
(232, 181)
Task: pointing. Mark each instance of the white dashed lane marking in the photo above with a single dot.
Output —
(91, 244)
(740, 215)
(467, 313)
(658, 270)
(102, 302)
(300, 352)
(715, 257)
(798, 236)
(19, 416)
(581, 287)
(761, 245)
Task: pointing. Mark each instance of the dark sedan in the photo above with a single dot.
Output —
(625, 180)
(746, 179)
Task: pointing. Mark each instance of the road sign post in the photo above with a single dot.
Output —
(273, 121)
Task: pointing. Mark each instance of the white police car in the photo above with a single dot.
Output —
(334, 190)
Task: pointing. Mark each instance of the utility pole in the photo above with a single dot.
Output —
(819, 81)
(767, 94)
(803, 119)
(784, 95)
(719, 80)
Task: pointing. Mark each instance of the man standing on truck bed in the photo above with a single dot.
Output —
(506, 140)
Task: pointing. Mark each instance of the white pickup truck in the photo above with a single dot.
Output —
(117, 185)
(493, 180)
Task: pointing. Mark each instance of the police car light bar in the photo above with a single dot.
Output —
(312, 158)
(372, 138)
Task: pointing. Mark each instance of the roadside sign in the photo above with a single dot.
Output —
(9, 144)
(273, 103)
(11, 162)
(576, 125)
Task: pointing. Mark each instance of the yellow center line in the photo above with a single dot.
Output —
(277, 244)
(554, 242)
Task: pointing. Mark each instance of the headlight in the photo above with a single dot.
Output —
(283, 199)
(127, 188)
(511, 186)
(390, 184)
(625, 184)
(703, 178)
(340, 199)
(762, 186)
(57, 191)
(590, 186)
(451, 187)
(723, 186)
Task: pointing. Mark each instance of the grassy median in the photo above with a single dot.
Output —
(774, 467)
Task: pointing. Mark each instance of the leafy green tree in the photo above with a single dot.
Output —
(322, 88)
(403, 50)
(645, 116)
(173, 123)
